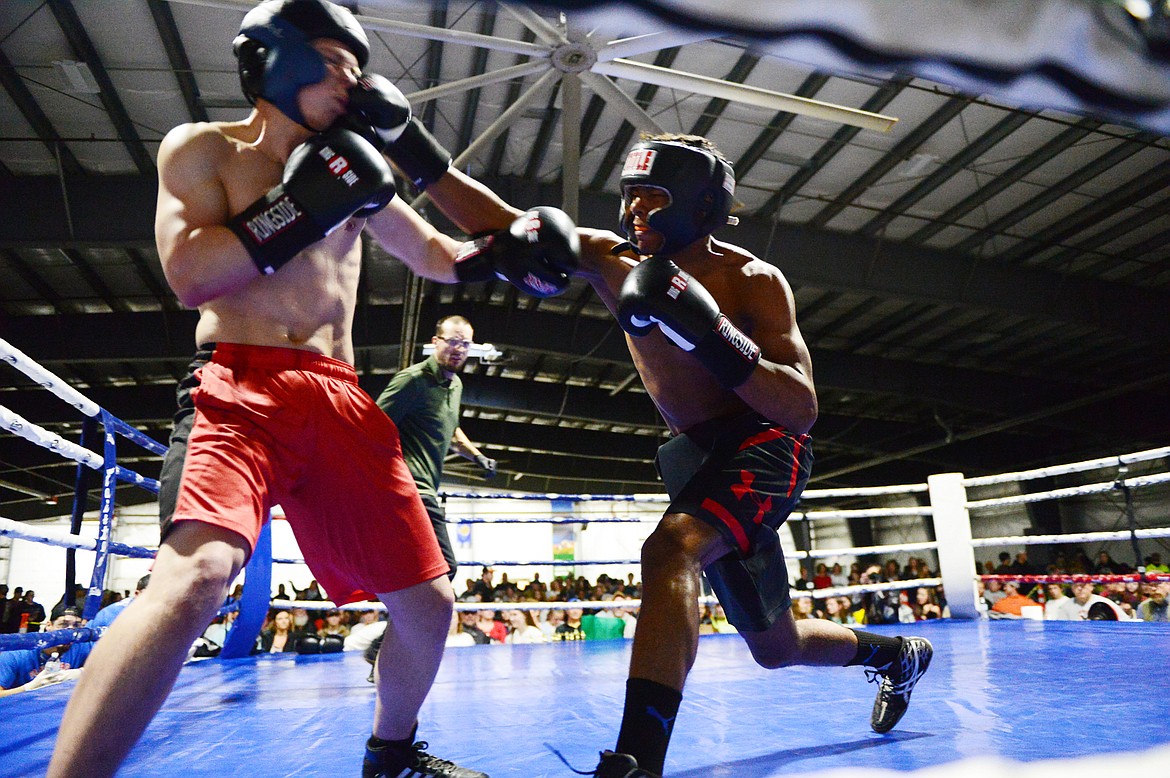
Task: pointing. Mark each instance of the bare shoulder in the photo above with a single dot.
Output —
(760, 277)
(190, 152)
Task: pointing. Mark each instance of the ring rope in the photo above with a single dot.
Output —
(18, 425)
(1076, 467)
(53, 637)
(1081, 578)
(554, 520)
(21, 361)
(820, 553)
(1072, 491)
(1079, 537)
(16, 529)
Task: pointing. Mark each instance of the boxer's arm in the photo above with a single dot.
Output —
(407, 236)
(781, 387)
(201, 258)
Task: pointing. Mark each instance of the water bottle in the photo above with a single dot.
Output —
(53, 666)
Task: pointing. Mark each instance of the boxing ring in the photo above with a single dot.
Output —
(1018, 697)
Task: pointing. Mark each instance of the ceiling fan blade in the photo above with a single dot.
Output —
(621, 102)
(571, 142)
(742, 93)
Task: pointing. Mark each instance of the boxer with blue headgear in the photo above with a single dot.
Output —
(275, 58)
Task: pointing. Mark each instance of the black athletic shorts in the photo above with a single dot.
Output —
(743, 475)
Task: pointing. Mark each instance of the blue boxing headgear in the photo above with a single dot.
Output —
(274, 54)
(701, 186)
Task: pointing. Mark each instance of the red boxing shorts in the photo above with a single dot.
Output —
(260, 426)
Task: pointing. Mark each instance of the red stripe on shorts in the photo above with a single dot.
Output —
(762, 437)
(797, 444)
(724, 516)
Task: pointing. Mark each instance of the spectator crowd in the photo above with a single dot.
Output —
(305, 629)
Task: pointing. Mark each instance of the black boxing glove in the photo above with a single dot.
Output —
(309, 644)
(327, 179)
(488, 464)
(382, 114)
(332, 644)
(537, 253)
(658, 293)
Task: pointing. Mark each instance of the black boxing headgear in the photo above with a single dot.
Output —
(274, 54)
(700, 184)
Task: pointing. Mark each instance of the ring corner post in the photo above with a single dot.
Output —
(255, 599)
(956, 554)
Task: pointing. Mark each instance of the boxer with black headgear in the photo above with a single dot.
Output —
(699, 185)
(258, 226)
(712, 331)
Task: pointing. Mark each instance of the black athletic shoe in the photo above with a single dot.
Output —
(896, 681)
(389, 762)
(620, 766)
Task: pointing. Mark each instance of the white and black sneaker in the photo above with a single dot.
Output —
(408, 763)
(896, 681)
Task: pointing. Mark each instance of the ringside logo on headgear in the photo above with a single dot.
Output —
(700, 184)
(275, 56)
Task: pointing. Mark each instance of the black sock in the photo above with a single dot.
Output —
(647, 722)
(875, 650)
(392, 749)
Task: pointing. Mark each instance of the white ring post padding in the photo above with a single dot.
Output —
(1076, 467)
(956, 554)
(18, 425)
(19, 360)
(1080, 537)
(1136, 482)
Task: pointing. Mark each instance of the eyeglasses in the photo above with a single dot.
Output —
(457, 342)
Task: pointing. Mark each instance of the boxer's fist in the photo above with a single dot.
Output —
(537, 253)
(657, 293)
(377, 110)
(327, 179)
(382, 114)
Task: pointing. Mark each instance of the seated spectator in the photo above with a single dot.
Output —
(362, 635)
(279, 635)
(1005, 564)
(838, 576)
(554, 619)
(993, 592)
(469, 625)
(628, 617)
(822, 579)
(1058, 606)
(489, 625)
(719, 623)
(802, 608)
(1011, 603)
(105, 617)
(891, 570)
(926, 604)
(1022, 566)
(1085, 598)
(22, 670)
(523, 627)
(211, 642)
(833, 610)
(571, 628)
(1154, 564)
(333, 625)
(1154, 607)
